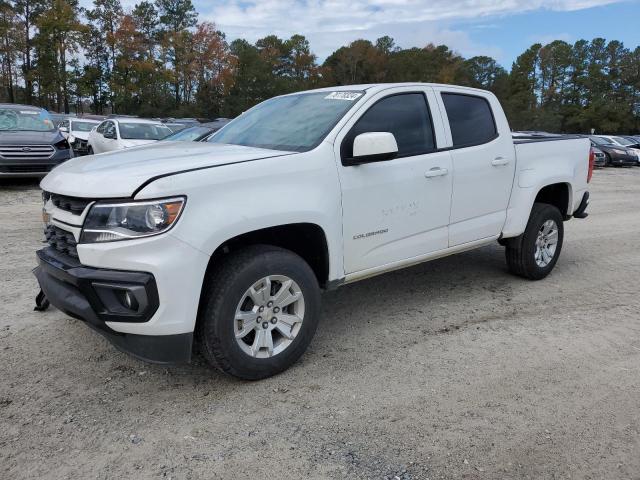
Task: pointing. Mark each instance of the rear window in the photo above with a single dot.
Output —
(470, 119)
(82, 126)
(143, 131)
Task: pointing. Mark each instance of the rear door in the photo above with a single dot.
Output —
(483, 158)
(396, 209)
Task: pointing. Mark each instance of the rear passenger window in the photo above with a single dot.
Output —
(470, 119)
(405, 115)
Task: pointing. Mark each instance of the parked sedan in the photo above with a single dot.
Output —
(599, 157)
(118, 133)
(30, 143)
(77, 130)
(199, 133)
(615, 154)
(622, 141)
(634, 141)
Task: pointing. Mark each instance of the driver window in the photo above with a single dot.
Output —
(110, 130)
(405, 115)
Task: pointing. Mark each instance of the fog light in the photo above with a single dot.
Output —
(130, 301)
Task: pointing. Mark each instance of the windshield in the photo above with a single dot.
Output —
(189, 134)
(12, 119)
(82, 126)
(622, 141)
(600, 141)
(143, 131)
(294, 123)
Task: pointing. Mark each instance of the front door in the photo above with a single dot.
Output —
(396, 209)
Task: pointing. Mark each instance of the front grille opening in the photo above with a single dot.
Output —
(26, 168)
(74, 205)
(61, 240)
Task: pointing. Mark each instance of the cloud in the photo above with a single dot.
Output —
(346, 15)
(329, 24)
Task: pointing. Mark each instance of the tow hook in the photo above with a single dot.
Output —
(42, 302)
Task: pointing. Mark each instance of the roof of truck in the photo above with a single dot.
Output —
(375, 87)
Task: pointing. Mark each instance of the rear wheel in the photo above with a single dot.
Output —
(259, 312)
(534, 254)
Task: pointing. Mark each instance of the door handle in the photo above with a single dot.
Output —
(436, 172)
(500, 161)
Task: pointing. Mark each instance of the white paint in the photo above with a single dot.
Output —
(376, 217)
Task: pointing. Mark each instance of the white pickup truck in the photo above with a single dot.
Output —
(227, 244)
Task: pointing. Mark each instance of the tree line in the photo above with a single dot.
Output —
(158, 59)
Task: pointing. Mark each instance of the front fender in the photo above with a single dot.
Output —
(227, 201)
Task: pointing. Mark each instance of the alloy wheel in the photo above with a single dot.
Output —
(269, 316)
(546, 243)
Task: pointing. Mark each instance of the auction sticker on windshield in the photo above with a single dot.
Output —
(348, 96)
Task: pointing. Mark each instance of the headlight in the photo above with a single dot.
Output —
(63, 144)
(108, 222)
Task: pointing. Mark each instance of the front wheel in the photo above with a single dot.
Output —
(90, 150)
(535, 253)
(259, 312)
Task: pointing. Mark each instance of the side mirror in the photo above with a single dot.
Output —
(63, 129)
(373, 147)
(109, 134)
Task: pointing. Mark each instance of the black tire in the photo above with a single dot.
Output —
(608, 162)
(90, 150)
(224, 289)
(520, 252)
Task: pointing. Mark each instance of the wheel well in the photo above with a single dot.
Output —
(305, 239)
(556, 195)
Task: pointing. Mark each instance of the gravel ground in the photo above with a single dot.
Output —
(451, 369)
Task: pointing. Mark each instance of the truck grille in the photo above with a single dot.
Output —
(61, 240)
(19, 152)
(74, 205)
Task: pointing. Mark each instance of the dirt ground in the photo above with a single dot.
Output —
(451, 369)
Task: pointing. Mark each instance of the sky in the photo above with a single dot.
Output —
(501, 29)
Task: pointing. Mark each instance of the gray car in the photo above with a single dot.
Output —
(30, 144)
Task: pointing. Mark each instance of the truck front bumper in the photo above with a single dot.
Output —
(98, 296)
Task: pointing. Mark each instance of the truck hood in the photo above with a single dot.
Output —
(8, 137)
(121, 173)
